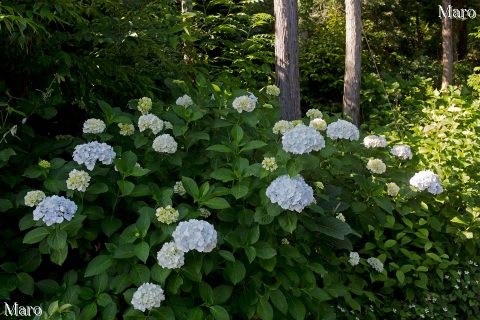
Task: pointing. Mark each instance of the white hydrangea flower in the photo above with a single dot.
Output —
(302, 139)
(375, 264)
(32, 198)
(54, 210)
(90, 153)
(148, 296)
(204, 212)
(170, 257)
(376, 166)
(282, 126)
(165, 143)
(167, 214)
(144, 105)
(126, 129)
(340, 217)
(426, 179)
(285, 241)
(272, 90)
(44, 164)
(318, 124)
(78, 180)
(167, 125)
(374, 141)
(150, 121)
(314, 113)
(290, 193)
(94, 126)
(354, 258)
(245, 103)
(393, 189)
(179, 189)
(342, 129)
(454, 108)
(184, 101)
(269, 164)
(196, 235)
(402, 151)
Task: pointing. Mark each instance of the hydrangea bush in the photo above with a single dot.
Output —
(229, 213)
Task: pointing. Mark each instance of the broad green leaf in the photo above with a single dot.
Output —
(126, 187)
(36, 235)
(142, 251)
(279, 301)
(235, 271)
(220, 148)
(288, 221)
(190, 186)
(217, 203)
(219, 313)
(25, 283)
(98, 265)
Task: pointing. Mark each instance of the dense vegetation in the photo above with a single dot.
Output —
(63, 63)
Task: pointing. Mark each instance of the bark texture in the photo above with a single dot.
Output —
(187, 48)
(447, 48)
(286, 57)
(353, 61)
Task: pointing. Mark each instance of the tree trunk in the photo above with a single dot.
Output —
(353, 61)
(286, 57)
(187, 48)
(461, 33)
(447, 48)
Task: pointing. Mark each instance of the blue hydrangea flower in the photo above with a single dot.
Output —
(89, 153)
(54, 209)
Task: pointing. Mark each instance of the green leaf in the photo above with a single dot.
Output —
(206, 292)
(390, 243)
(97, 188)
(58, 256)
(57, 240)
(36, 235)
(222, 293)
(297, 309)
(217, 203)
(110, 225)
(251, 253)
(333, 227)
(98, 265)
(5, 155)
(142, 251)
(139, 274)
(385, 204)
(400, 276)
(288, 221)
(25, 283)
(190, 186)
(89, 311)
(279, 301)
(235, 271)
(223, 174)
(48, 286)
(227, 255)
(220, 148)
(252, 145)
(237, 134)
(126, 187)
(264, 309)
(239, 191)
(219, 313)
(5, 205)
(265, 250)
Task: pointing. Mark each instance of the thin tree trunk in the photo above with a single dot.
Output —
(461, 33)
(447, 48)
(286, 57)
(187, 49)
(353, 61)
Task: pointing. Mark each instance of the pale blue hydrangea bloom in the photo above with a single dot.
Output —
(89, 153)
(147, 296)
(342, 129)
(195, 235)
(302, 139)
(290, 193)
(170, 257)
(426, 179)
(54, 209)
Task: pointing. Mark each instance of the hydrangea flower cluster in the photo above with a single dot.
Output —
(179, 189)
(393, 189)
(44, 164)
(302, 139)
(204, 212)
(54, 209)
(314, 113)
(170, 257)
(272, 90)
(269, 164)
(245, 103)
(426, 179)
(184, 101)
(354, 258)
(33, 198)
(144, 105)
(78, 180)
(375, 264)
(376, 166)
(167, 125)
(94, 126)
(374, 141)
(147, 296)
(126, 129)
(402, 151)
(318, 124)
(196, 235)
(89, 153)
(165, 143)
(290, 193)
(340, 217)
(342, 129)
(167, 214)
(282, 126)
(150, 121)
